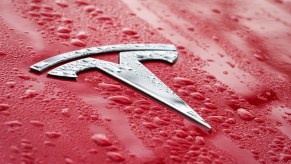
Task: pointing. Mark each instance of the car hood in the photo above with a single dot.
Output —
(232, 69)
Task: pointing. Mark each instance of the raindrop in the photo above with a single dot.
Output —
(62, 3)
(82, 35)
(159, 121)
(77, 42)
(89, 8)
(210, 105)
(101, 139)
(197, 95)
(13, 123)
(199, 140)
(53, 135)
(128, 31)
(149, 125)
(69, 160)
(63, 29)
(36, 123)
(4, 107)
(114, 156)
(30, 93)
(65, 112)
(183, 81)
(121, 99)
(109, 87)
(244, 114)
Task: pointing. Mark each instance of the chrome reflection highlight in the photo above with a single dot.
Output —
(45, 64)
(129, 70)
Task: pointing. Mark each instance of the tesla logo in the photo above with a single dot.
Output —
(129, 70)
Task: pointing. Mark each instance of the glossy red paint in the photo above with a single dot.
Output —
(234, 54)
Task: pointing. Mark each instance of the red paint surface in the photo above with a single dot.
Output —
(235, 56)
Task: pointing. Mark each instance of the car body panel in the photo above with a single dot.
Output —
(233, 69)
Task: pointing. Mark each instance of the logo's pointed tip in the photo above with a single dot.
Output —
(204, 125)
(207, 126)
(194, 117)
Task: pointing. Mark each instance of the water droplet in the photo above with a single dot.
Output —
(156, 108)
(163, 133)
(149, 125)
(183, 81)
(4, 107)
(67, 20)
(89, 8)
(159, 121)
(191, 29)
(24, 77)
(259, 57)
(11, 84)
(234, 136)
(193, 153)
(259, 120)
(197, 95)
(101, 139)
(69, 160)
(62, 3)
(15, 123)
(2, 53)
(63, 35)
(114, 156)
(37, 123)
(65, 112)
(204, 159)
(77, 42)
(63, 29)
(34, 6)
(14, 149)
(274, 158)
(128, 31)
(94, 117)
(138, 111)
(46, 14)
(109, 87)
(36, 1)
(183, 92)
(210, 105)
(30, 93)
(180, 133)
(53, 135)
(82, 35)
(244, 114)
(199, 140)
(49, 143)
(104, 18)
(219, 119)
(82, 2)
(216, 11)
(286, 157)
(178, 122)
(172, 143)
(121, 99)
(230, 121)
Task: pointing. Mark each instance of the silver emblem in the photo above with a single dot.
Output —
(129, 70)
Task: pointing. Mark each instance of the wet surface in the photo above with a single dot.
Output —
(233, 69)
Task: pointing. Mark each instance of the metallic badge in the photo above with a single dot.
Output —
(129, 70)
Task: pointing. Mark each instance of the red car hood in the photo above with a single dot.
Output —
(233, 70)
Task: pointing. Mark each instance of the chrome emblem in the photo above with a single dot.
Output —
(129, 70)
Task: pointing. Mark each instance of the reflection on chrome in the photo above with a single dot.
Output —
(129, 71)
